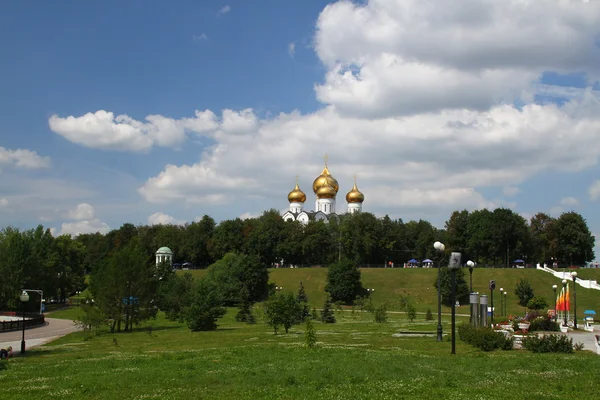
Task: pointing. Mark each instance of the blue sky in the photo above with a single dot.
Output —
(414, 104)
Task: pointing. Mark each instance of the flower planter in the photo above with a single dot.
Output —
(523, 326)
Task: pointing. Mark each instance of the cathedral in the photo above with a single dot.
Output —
(325, 188)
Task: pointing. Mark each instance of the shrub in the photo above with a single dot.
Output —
(314, 314)
(549, 344)
(484, 338)
(381, 314)
(537, 303)
(524, 292)
(327, 313)
(543, 323)
(428, 315)
(310, 336)
(411, 312)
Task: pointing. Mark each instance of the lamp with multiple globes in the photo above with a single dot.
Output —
(439, 246)
(574, 276)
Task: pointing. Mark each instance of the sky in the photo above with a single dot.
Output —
(162, 112)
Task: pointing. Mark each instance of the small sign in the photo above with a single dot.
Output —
(455, 260)
(492, 284)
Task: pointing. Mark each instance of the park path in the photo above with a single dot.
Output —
(53, 329)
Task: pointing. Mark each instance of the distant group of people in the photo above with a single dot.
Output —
(5, 354)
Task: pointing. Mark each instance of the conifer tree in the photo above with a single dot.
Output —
(327, 315)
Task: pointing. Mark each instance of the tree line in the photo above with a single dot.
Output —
(36, 259)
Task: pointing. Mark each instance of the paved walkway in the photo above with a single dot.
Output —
(53, 329)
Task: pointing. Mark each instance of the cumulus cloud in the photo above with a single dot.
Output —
(85, 221)
(85, 226)
(83, 211)
(292, 49)
(102, 130)
(569, 202)
(22, 158)
(405, 56)
(418, 101)
(3, 202)
(160, 218)
(594, 190)
(224, 10)
(459, 149)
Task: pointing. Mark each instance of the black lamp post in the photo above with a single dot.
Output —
(554, 287)
(24, 300)
(279, 288)
(470, 264)
(492, 287)
(501, 301)
(564, 282)
(574, 275)
(505, 312)
(454, 265)
(439, 246)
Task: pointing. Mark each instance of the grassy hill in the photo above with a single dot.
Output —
(419, 285)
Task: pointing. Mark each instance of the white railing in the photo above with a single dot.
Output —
(588, 284)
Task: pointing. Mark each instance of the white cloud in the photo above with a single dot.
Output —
(390, 57)
(556, 211)
(103, 130)
(569, 202)
(84, 226)
(22, 158)
(84, 215)
(249, 215)
(292, 49)
(200, 38)
(594, 190)
(510, 191)
(160, 218)
(459, 149)
(83, 211)
(3, 202)
(224, 10)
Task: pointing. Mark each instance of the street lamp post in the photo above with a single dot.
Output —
(453, 266)
(554, 287)
(24, 299)
(279, 288)
(439, 246)
(470, 264)
(505, 312)
(574, 275)
(564, 282)
(501, 301)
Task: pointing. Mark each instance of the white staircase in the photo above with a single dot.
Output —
(588, 284)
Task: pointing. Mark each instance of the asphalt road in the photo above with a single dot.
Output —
(53, 329)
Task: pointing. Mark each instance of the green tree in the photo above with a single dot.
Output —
(428, 315)
(537, 303)
(343, 281)
(282, 309)
(238, 275)
(205, 308)
(574, 239)
(327, 315)
(380, 314)
(124, 287)
(195, 241)
(462, 289)
(411, 312)
(175, 296)
(524, 292)
(310, 336)
(302, 300)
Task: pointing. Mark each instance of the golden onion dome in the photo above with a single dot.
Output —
(325, 180)
(296, 195)
(355, 196)
(326, 192)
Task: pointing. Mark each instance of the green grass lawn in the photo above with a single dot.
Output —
(419, 285)
(355, 359)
